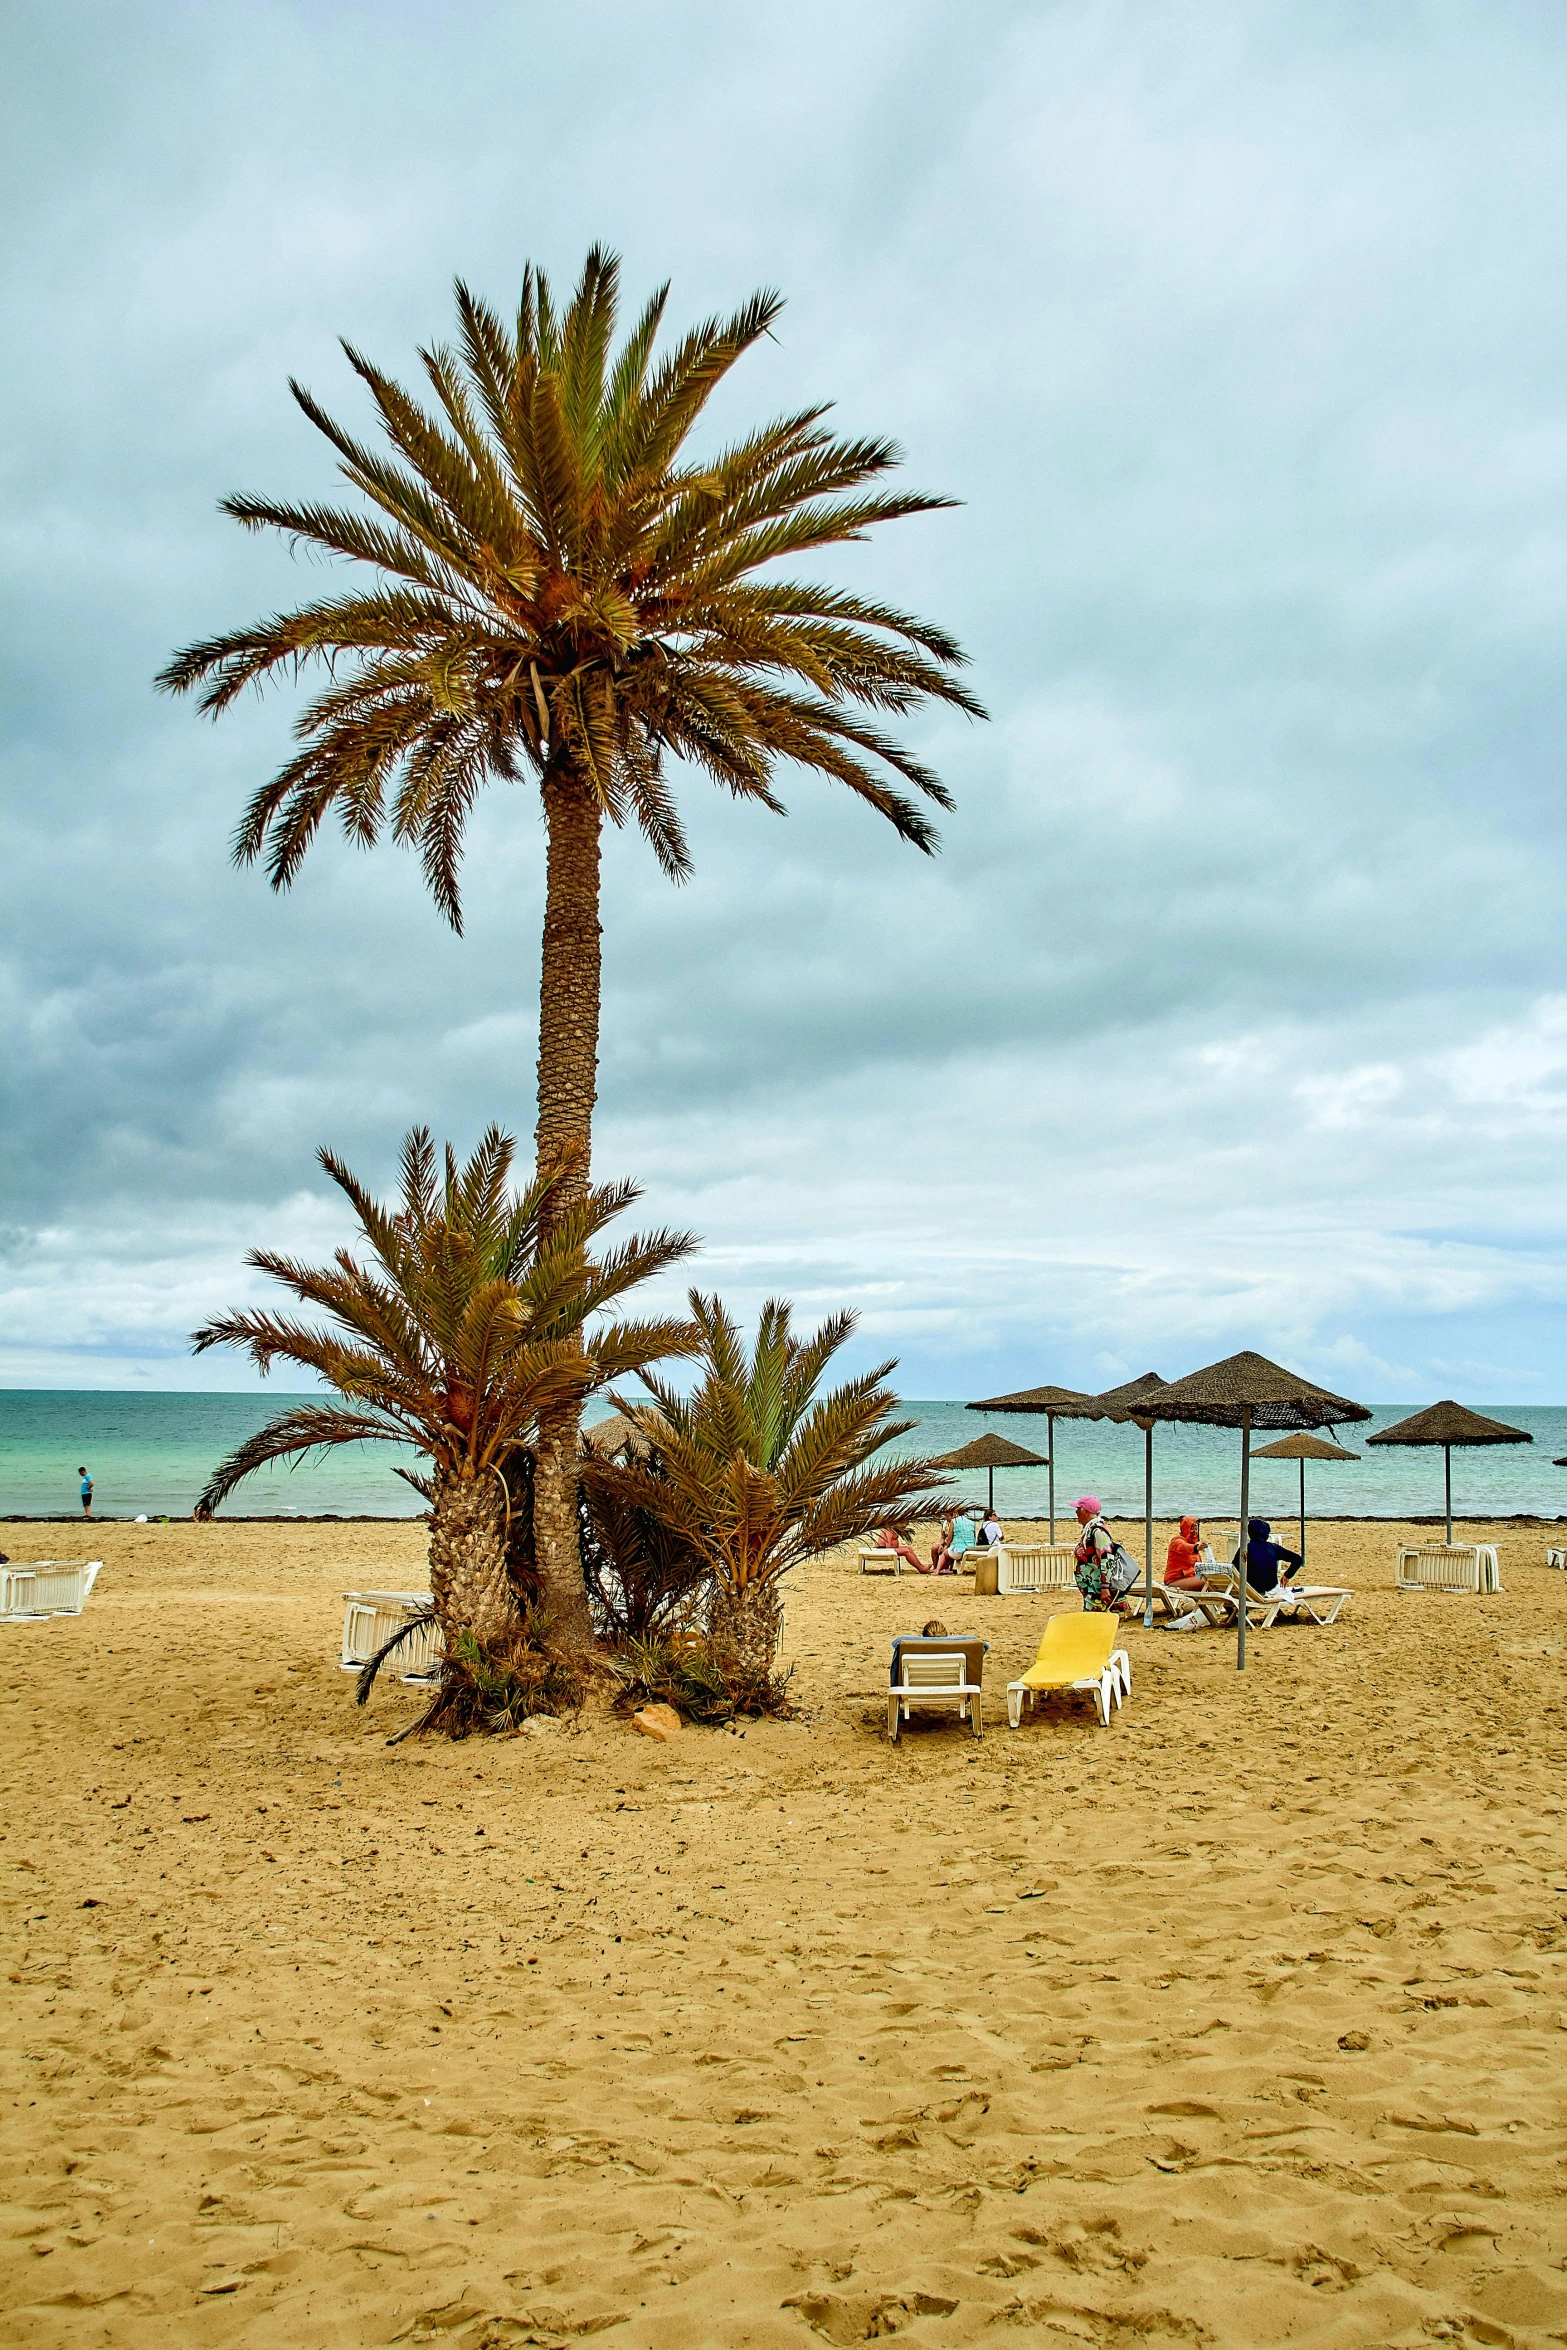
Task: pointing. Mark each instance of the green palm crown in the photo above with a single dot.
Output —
(560, 588)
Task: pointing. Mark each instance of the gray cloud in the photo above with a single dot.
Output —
(1231, 1012)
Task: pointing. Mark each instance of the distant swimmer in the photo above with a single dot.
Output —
(86, 1493)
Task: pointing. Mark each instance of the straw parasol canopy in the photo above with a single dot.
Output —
(1303, 1449)
(1448, 1423)
(991, 1453)
(613, 1435)
(1246, 1391)
(1122, 1403)
(1050, 1404)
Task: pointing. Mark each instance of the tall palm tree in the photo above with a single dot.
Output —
(754, 1471)
(561, 588)
(466, 1330)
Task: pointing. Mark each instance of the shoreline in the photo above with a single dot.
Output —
(1063, 1519)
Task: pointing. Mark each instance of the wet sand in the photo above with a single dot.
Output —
(1240, 2022)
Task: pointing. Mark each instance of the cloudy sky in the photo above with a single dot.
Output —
(1234, 1011)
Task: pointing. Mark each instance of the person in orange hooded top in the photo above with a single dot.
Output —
(1181, 1565)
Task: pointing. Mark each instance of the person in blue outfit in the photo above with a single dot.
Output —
(1268, 1563)
(86, 1493)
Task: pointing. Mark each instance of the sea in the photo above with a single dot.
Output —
(151, 1454)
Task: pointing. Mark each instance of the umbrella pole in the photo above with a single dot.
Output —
(1050, 1443)
(1302, 1517)
(1148, 1527)
(1447, 1463)
(990, 1502)
(1240, 1599)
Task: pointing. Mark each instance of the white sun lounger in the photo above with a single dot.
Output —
(1311, 1603)
(1440, 1566)
(1556, 1558)
(369, 1620)
(1034, 1566)
(934, 1675)
(34, 1588)
(875, 1559)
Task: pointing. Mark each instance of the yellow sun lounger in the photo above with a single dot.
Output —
(1078, 1653)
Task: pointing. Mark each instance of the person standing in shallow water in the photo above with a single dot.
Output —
(86, 1493)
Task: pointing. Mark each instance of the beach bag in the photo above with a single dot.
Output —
(1121, 1572)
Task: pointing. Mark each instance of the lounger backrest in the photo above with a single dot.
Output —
(971, 1654)
(1077, 1646)
(1039, 1566)
(1440, 1568)
(934, 1670)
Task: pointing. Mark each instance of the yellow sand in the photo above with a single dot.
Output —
(1239, 2023)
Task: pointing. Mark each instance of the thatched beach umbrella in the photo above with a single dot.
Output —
(1123, 1403)
(991, 1453)
(1051, 1404)
(1246, 1391)
(1303, 1449)
(1448, 1424)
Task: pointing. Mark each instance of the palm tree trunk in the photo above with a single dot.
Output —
(568, 1080)
(744, 1626)
(469, 1584)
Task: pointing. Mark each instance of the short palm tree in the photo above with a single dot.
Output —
(562, 589)
(754, 1471)
(475, 1317)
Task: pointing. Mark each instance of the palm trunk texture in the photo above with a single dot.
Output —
(745, 1623)
(568, 1081)
(469, 1584)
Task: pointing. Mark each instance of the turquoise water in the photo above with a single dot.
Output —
(151, 1454)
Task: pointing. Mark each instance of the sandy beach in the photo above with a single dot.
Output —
(1238, 2023)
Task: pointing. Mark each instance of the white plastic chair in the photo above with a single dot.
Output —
(1556, 1558)
(874, 1560)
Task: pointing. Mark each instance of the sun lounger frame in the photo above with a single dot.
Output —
(31, 1589)
(1109, 1684)
(1034, 1566)
(369, 1620)
(1441, 1566)
(936, 1675)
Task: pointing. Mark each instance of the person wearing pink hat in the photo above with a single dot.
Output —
(1094, 1547)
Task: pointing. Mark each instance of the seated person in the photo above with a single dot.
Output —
(962, 1539)
(1183, 1567)
(1264, 1568)
(941, 1549)
(990, 1532)
(895, 1539)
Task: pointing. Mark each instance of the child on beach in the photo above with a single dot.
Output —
(86, 1493)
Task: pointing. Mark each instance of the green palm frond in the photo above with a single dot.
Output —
(559, 579)
(755, 1470)
(474, 1312)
